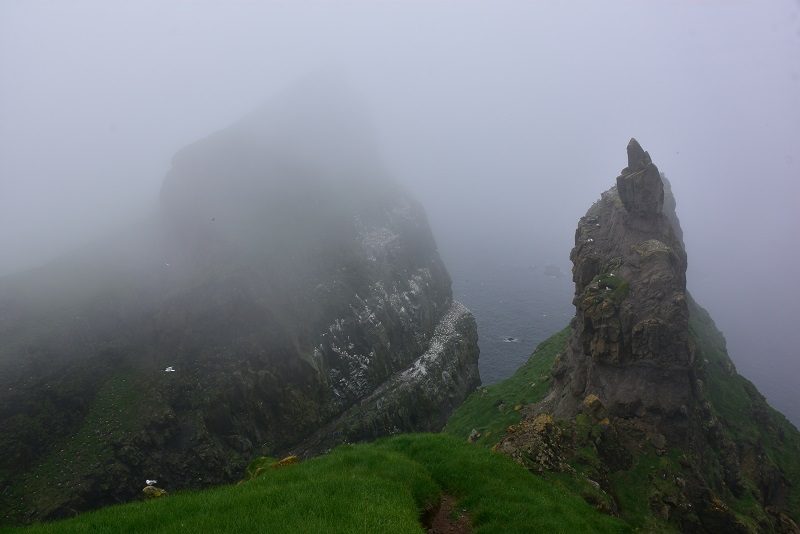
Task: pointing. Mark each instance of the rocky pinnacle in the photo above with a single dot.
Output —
(630, 339)
(633, 379)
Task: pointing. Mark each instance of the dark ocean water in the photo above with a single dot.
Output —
(525, 302)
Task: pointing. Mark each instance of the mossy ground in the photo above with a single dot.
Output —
(379, 487)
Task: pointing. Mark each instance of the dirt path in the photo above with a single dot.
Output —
(448, 518)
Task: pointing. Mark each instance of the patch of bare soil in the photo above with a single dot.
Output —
(447, 518)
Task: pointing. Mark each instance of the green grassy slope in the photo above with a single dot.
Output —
(379, 487)
(112, 413)
(762, 434)
(492, 409)
(501, 496)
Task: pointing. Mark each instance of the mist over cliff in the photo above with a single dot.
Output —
(502, 118)
(284, 295)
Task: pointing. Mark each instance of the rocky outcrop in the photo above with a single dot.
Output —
(286, 292)
(645, 374)
(630, 343)
(419, 397)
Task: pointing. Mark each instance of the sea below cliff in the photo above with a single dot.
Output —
(518, 303)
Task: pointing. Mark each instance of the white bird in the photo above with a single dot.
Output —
(169, 370)
(151, 482)
(590, 240)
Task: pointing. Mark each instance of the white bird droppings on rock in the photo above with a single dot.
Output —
(444, 332)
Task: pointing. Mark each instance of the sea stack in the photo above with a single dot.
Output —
(644, 378)
(630, 335)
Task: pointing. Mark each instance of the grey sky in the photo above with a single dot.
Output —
(508, 119)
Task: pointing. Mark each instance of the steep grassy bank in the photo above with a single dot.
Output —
(757, 438)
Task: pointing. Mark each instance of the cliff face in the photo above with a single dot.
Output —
(285, 294)
(420, 397)
(644, 379)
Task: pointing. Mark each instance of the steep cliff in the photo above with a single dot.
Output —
(645, 410)
(284, 284)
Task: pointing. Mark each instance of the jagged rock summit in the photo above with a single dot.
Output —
(639, 185)
(630, 343)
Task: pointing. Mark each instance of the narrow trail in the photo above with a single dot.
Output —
(447, 518)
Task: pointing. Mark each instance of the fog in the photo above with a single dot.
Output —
(506, 119)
